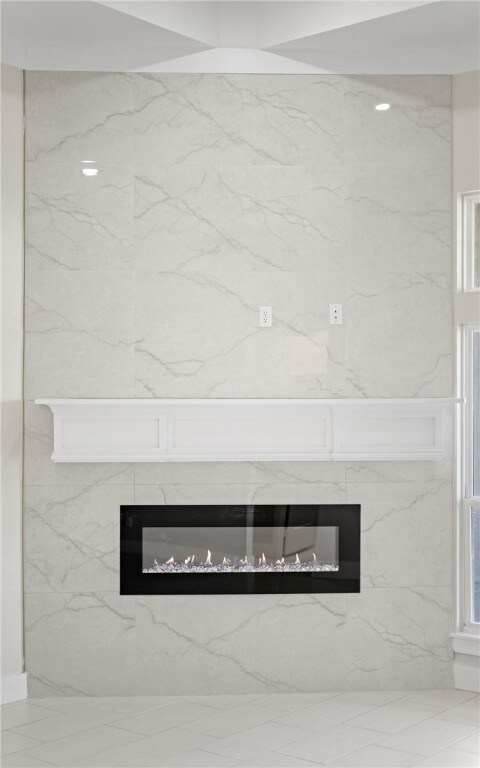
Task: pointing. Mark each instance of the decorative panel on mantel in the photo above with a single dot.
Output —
(247, 430)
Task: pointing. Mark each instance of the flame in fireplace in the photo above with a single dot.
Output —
(239, 565)
(226, 561)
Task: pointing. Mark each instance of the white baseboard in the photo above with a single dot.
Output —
(13, 688)
(466, 672)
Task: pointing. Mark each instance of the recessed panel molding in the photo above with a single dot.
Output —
(250, 430)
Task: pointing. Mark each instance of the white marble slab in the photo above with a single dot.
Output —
(217, 194)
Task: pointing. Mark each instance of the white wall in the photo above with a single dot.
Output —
(466, 131)
(13, 679)
(465, 165)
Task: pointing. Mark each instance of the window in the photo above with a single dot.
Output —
(471, 474)
(475, 549)
(468, 309)
(471, 241)
(476, 412)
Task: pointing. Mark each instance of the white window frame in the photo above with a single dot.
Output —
(469, 201)
(467, 313)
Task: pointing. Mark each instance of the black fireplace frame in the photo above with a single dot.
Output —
(134, 517)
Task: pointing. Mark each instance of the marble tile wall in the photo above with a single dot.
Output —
(216, 194)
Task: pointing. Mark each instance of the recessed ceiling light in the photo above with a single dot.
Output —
(89, 171)
(382, 107)
(88, 161)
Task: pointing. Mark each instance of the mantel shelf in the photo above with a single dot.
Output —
(249, 430)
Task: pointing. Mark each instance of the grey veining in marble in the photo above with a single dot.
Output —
(399, 635)
(215, 195)
(78, 222)
(415, 515)
(238, 120)
(239, 218)
(72, 537)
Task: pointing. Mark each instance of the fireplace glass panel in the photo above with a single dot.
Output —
(240, 550)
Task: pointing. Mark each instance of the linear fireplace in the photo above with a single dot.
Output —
(215, 549)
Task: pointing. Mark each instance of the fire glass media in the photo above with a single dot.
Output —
(232, 549)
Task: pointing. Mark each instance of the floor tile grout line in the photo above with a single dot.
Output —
(294, 741)
(349, 752)
(374, 743)
(67, 736)
(96, 708)
(24, 752)
(244, 730)
(249, 728)
(386, 734)
(141, 737)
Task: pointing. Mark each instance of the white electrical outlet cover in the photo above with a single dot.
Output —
(336, 314)
(265, 317)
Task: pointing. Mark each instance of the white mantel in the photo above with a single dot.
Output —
(144, 430)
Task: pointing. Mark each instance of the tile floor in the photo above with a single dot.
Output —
(372, 729)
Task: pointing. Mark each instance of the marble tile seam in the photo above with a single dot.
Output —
(366, 588)
(305, 482)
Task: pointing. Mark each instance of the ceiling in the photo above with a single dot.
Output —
(316, 36)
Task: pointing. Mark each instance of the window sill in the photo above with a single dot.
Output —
(466, 643)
